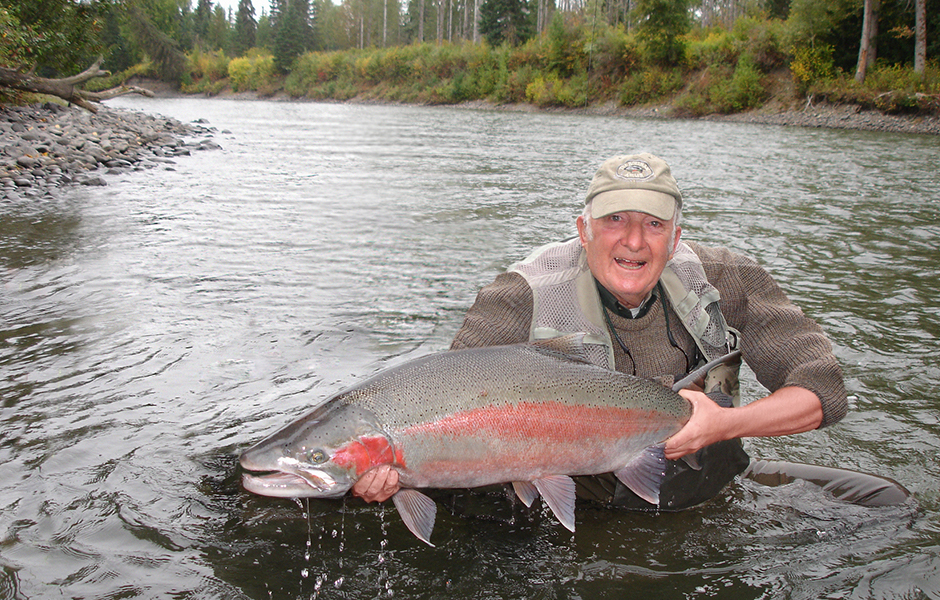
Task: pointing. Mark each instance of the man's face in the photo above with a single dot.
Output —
(627, 252)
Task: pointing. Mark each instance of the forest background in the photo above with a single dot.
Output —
(697, 56)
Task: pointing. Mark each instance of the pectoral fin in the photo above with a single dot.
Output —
(644, 474)
(526, 492)
(417, 511)
(558, 492)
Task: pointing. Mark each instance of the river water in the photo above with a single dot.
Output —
(152, 329)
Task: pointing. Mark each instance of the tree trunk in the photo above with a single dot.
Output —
(920, 36)
(421, 20)
(65, 88)
(866, 53)
(476, 21)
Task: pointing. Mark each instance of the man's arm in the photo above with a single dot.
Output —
(787, 411)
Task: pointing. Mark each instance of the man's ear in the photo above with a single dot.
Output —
(675, 243)
(582, 229)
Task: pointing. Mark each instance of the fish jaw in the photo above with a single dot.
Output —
(290, 479)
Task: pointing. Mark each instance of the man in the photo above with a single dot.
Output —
(656, 307)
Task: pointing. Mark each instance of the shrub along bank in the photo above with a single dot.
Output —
(720, 72)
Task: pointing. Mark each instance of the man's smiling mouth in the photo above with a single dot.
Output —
(630, 264)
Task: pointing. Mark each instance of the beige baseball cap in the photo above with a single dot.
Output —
(636, 182)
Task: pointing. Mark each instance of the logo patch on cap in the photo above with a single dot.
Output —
(635, 170)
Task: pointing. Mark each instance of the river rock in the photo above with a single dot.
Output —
(48, 146)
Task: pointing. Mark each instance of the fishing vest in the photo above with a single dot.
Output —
(565, 300)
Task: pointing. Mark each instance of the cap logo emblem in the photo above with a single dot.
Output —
(635, 170)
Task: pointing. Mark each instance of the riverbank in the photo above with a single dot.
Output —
(822, 115)
(775, 112)
(46, 146)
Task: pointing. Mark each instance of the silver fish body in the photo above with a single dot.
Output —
(530, 414)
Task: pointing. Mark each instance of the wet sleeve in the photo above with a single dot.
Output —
(782, 346)
(501, 314)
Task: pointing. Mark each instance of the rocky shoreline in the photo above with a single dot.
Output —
(820, 116)
(44, 147)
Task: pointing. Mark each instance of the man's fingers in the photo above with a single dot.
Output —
(377, 485)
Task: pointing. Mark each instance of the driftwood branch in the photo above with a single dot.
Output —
(65, 87)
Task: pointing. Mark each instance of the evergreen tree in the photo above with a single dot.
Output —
(508, 21)
(662, 27)
(201, 18)
(218, 35)
(163, 50)
(264, 34)
(292, 34)
(245, 28)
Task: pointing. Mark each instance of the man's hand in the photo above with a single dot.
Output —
(787, 411)
(704, 428)
(377, 485)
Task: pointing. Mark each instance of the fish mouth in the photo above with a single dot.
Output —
(281, 484)
(290, 480)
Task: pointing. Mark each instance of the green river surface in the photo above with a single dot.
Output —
(152, 329)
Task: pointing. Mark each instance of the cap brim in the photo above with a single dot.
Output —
(659, 204)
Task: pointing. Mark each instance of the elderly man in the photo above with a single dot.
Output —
(656, 307)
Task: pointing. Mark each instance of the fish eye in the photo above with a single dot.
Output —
(316, 456)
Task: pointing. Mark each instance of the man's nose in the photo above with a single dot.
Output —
(632, 237)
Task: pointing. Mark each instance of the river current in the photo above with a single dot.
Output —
(152, 329)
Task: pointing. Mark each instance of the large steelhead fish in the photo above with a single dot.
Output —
(529, 414)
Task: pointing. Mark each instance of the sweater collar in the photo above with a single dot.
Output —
(611, 303)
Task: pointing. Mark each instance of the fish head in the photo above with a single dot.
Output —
(318, 456)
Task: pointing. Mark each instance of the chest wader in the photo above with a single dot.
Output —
(565, 300)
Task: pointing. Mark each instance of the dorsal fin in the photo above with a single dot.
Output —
(571, 345)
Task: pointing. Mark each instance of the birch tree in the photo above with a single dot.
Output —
(867, 50)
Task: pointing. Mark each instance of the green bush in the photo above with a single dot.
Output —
(721, 90)
(517, 81)
(763, 40)
(812, 64)
(254, 71)
(650, 85)
(746, 88)
(613, 53)
(716, 48)
(208, 65)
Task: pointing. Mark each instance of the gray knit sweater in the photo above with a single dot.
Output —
(781, 345)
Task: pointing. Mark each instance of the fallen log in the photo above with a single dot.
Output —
(65, 87)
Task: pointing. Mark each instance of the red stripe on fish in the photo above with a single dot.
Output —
(548, 421)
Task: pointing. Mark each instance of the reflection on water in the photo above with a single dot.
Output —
(154, 328)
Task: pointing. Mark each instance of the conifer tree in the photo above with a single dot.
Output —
(507, 21)
(201, 17)
(292, 33)
(245, 28)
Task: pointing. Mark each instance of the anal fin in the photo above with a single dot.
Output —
(644, 475)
